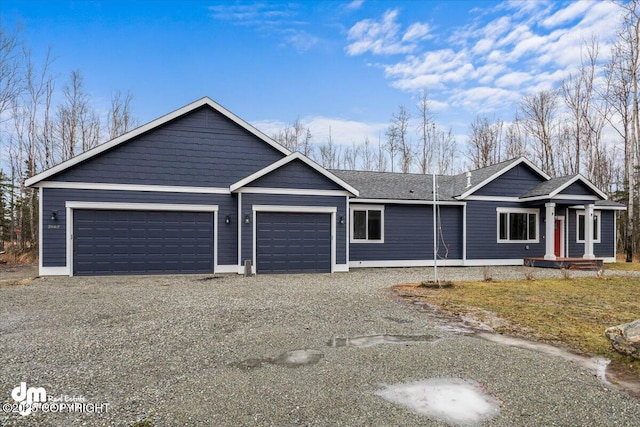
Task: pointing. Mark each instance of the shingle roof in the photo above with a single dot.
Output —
(391, 185)
(547, 187)
(411, 186)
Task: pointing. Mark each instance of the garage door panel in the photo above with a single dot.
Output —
(142, 242)
(293, 242)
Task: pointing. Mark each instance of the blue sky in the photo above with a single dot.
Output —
(340, 65)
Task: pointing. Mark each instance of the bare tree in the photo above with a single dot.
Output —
(515, 143)
(426, 137)
(622, 76)
(330, 154)
(392, 144)
(120, 120)
(368, 157)
(445, 147)
(399, 129)
(350, 157)
(483, 145)
(381, 157)
(78, 124)
(539, 111)
(11, 76)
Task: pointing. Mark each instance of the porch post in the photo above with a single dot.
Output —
(588, 231)
(549, 224)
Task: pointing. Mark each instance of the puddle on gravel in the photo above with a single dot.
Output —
(371, 340)
(451, 400)
(290, 359)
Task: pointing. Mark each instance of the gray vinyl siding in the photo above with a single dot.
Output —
(200, 149)
(482, 237)
(512, 183)
(296, 174)
(578, 188)
(340, 202)
(606, 247)
(408, 235)
(54, 239)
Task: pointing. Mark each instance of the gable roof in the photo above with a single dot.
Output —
(483, 176)
(206, 101)
(555, 186)
(285, 160)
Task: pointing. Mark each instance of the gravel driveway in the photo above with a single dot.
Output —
(196, 350)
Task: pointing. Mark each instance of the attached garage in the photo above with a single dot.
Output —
(293, 242)
(117, 241)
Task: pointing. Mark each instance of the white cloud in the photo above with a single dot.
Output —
(513, 80)
(572, 12)
(416, 31)
(384, 37)
(354, 5)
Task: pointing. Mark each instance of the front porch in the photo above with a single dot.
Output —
(594, 264)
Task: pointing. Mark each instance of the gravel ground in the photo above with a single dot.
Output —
(196, 350)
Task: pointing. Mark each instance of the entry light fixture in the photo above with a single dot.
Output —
(246, 219)
(54, 216)
(341, 219)
(227, 220)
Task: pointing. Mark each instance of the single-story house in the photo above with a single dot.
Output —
(200, 190)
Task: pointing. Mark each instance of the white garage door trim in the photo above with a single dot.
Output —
(296, 209)
(71, 205)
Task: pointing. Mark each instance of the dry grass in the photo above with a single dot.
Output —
(573, 312)
(623, 266)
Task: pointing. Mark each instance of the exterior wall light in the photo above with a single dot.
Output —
(227, 220)
(247, 220)
(54, 216)
(341, 219)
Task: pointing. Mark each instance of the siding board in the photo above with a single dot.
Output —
(200, 149)
(512, 183)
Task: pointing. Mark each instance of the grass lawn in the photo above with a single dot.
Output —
(571, 312)
(623, 266)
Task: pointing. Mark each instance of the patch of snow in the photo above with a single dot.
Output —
(452, 400)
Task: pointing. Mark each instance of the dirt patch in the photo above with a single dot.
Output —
(17, 274)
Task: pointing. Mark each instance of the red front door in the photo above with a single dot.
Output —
(557, 237)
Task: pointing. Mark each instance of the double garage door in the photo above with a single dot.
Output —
(166, 242)
(142, 242)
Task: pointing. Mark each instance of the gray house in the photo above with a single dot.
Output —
(200, 190)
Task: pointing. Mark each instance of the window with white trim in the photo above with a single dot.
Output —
(367, 224)
(517, 225)
(580, 226)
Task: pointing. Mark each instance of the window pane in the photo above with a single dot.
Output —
(532, 226)
(359, 224)
(518, 226)
(580, 227)
(595, 227)
(503, 226)
(375, 225)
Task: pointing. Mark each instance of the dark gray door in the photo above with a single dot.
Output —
(293, 242)
(142, 242)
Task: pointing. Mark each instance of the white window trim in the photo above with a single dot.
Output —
(536, 212)
(582, 213)
(360, 207)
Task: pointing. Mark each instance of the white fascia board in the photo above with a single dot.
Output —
(141, 206)
(299, 209)
(292, 191)
(560, 197)
(600, 208)
(494, 199)
(149, 126)
(585, 181)
(407, 202)
(501, 172)
(285, 160)
(131, 187)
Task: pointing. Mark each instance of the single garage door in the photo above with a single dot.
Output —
(141, 242)
(293, 242)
